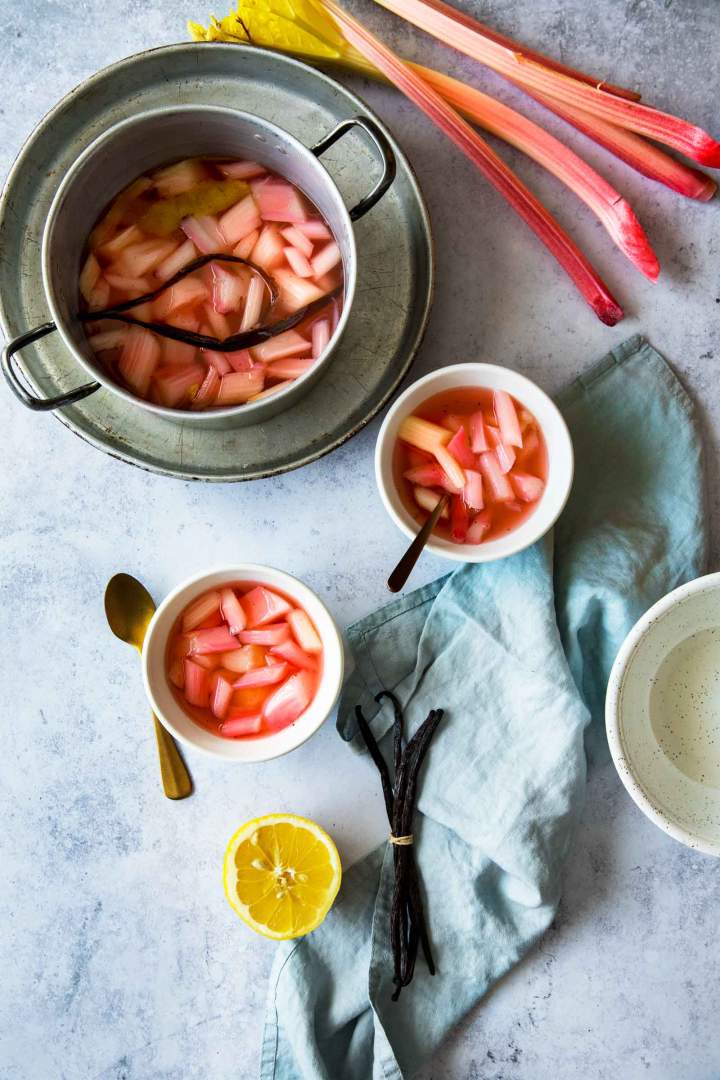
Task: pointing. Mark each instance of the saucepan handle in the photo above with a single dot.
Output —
(384, 149)
(30, 401)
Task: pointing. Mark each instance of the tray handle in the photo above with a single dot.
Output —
(383, 148)
(29, 400)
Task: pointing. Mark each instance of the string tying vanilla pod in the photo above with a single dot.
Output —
(408, 928)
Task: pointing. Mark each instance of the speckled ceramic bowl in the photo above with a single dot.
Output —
(663, 714)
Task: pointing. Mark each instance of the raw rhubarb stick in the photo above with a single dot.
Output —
(493, 168)
(462, 32)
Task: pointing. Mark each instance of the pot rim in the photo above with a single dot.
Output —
(247, 409)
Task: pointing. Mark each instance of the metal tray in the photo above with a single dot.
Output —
(395, 271)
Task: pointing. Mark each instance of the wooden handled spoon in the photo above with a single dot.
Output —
(129, 607)
(402, 571)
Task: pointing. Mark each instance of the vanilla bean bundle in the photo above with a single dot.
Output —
(408, 928)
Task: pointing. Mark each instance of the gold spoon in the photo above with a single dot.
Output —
(402, 571)
(129, 607)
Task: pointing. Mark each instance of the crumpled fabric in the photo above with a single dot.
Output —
(518, 654)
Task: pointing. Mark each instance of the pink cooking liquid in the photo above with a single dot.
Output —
(497, 518)
(244, 660)
(174, 214)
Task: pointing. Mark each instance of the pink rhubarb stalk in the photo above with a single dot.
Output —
(642, 155)
(487, 161)
(611, 208)
(464, 33)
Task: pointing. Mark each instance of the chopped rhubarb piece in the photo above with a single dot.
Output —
(459, 447)
(297, 262)
(216, 640)
(290, 343)
(241, 722)
(314, 229)
(451, 466)
(209, 661)
(218, 360)
(198, 611)
(228, 289)
(473, 490)
(232, 611)
(204, 233)
(269, 635)
(240, 360)
(459, 519)
(121, 240)
(531, 443)
(290, 368)
(221, 697)
(422, 434)
(264, 676)
(176, 672)
(253, 303)
(278, 201)
(180, 177)
(246, 658)
(99, 297)
(241, 170)
(219, 325)
(527, 487)
(272, 390)
(296, 292)
(291, 651)
(326, 259)
(478, 434)
(197, 689)
(507, 418)
(109, 339)
(428, 500)
(480, 525)
(430, 474)
(504, 452)
(268, 251)
(320, 337)
(453, 422)
(129, 286)
(263, 606)
(208, 389)
(498, 484)
(304, 632)
(244, 249)
(240, 220)
(176, 260)
(289, 701)
(89, 276)
(176, 386)
(298, 240)
(236, 388)
(139, 358)
(183, 294)
(140, 259)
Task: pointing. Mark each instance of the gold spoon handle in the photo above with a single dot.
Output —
(402, 571)
(177, 783)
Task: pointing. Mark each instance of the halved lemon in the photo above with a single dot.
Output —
(281, 875)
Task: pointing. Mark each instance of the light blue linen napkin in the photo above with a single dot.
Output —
(517, 652)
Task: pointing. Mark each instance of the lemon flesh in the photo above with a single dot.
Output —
(281, 875)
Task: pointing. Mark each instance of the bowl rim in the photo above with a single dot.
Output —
(613, 712)
(330, 682)
(255, 408)
(522, 537)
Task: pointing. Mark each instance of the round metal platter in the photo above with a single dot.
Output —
(395, 259)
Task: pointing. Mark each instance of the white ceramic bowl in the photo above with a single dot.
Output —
(662, 714)
(557, 438)
(174, 717)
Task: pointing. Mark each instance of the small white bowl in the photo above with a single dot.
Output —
(662, 714)
(174, 717)
(552, 425)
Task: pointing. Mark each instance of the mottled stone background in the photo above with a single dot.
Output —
(120, 958)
